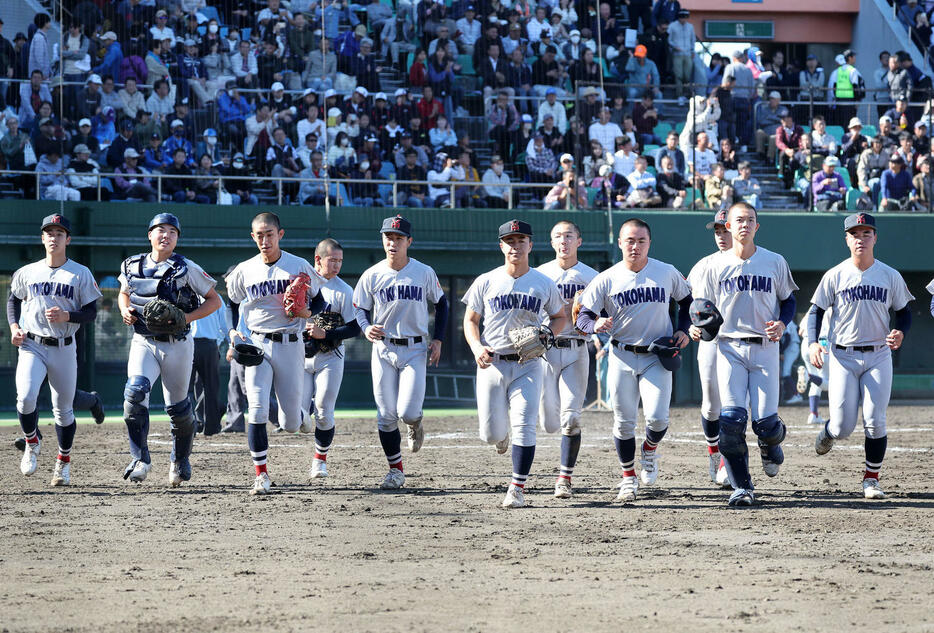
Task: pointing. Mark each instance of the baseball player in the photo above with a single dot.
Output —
(812, 380)
(861, 290)
(161, 274)
(753, 289)
(257, 287)
(391, 306)
(567, 364)
(636, 295)
(324, 370)
(707, 359)
(509, 393)
(48, 302)
(89, 400)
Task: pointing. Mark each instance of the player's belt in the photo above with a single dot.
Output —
(404, 342)
(509, 357)
(635, 349)
(278, 337)
(757, 340)
(49, 341)
(568, 342)
(857, 348)
(167, 338)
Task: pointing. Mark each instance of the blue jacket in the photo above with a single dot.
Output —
(895, 186)
(173, 143)
(110, 65)
(231, 110)
(332, 17)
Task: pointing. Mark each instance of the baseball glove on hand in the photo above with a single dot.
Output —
(296, 295)
(327, 321)
(531, 341)
(576, 309)
(162, 317)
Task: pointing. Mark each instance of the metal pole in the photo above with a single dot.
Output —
(395, 192)
(279, 191)
(159, 185)
(98, 186)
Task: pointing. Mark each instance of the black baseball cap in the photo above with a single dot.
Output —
(167, 219)
(397, 224)
(859, 219)
(515, 227)
(719, 218)
(56, 219)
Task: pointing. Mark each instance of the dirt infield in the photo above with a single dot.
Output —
(441, 555)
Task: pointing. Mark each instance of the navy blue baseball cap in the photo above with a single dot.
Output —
(56, 219)
(165, 218)
(719, 218)
(668, 352)
(515, 227)
(859, 220)
(397, 224)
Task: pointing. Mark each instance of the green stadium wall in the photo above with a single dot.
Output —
(459, 244)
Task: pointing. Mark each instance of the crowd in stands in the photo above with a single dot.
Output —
(217, 98)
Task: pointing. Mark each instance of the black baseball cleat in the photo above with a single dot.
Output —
(97, 409)
(20, 444)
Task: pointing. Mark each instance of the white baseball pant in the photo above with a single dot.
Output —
(508, 397)
(398, 382)
(172, 360)
(564, 386)
(34, 362)
(710, 387)
(631, 377)
(748, 369)
(855, 377)
(322, 382)
(283, 369)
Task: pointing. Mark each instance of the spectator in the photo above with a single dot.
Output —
(899, 116)
(718, 193)
(846, 87)
(899, 79)
(566, 194)
(645, 118)
(469, 30)
(207, 181)
(906, 152)
(334, 12)
(180, 188)
(768, 118)
(922, 196)
(441, 80)
(880, 83)
(131, 99)
(502, 122)
(270, 66)
(854, 143)
(723, 96)
(321, 68)
(895, 186)
(429, 108)
(81, 174)
(154, 158)
(829, 189)
(156, 68)
(643, 74)
(160, 31)
(589, 109)
(811, 80)
(495, 182)
(177, 141)
(715, 71)
(787, 139)
(474, 196)
(870, 167)
(682, 38)
(605, 132)
(418, 72)
(89, 100)
(643, 183)
(888, 134)
(412, 195)
(624, 160)
(921, 140)
(313, 192)
(540, 160)
(728, 159)
(442, 136)
(822, 143)
(356, 104)
(670, 184)
(520, 80)
(341, 154)
(74, 51)
(31, 96)
(703, 115)
(281, 160)
(233, 111)
(311, 124)
(594, 161)
(208, 145)
(245, 66)
(701, 160)
(52, 183)
(547, 72)
(445, 169)
(40, 50)
(160, 103)
(407, 143)
(743, 93)
(110, 65)
(126, 139)
(84, 137)
(103, 126)
(672, 151)
(612, 189)
(110, 98)
(259, 128)
(363, 66)
(745, 187)
(347, 46)
(494, 73)
(584, 71)
(241, 185)
(658, 46)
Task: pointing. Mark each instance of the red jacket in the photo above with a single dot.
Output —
(425, 108)
(418, 75)
(784, 141)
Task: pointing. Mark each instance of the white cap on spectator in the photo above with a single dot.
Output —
(330, 92)
(605, 170)
(574, 32)
(334, 112)
(307, 92)
(109, 35)
(190, 42)
(130, 153)
(885, 119)
(854, 122)
(775, 94)
(277, 86)
(380, 95)
(832, 160)
(362, 91)
(526, 118)
(400, 92)
(81, 148)
(161, 12)
(566, 157)
(921, 123)
(366, 42)
(352, 116)
(95, 79)
(84, 122)
(177, 123)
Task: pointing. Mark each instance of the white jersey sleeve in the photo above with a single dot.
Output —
(569, 282)
(930, 287)
(69, 287)
(398, 299)
(697, 278)
(258, 288)
(338, 297)
(505, 302)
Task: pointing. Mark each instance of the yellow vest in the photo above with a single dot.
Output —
(844, 87)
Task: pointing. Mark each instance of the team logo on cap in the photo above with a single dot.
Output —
(396, 222)
(514, 226)
(721, 215)
(861, 218)
(57, 219)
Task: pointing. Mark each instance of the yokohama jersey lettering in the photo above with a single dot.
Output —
(863, 293)
(652, 294)
(515, 301)
(52, 289)
(747, 283)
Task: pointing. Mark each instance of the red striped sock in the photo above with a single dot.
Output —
(713, 450)
(869, 475)
(261, 469)
(64, 458)
(398, 465)
(649, 446)
(323, 458)
(629, 473)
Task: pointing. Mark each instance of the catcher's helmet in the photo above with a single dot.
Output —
(248, 355)
(706, 316)
(668, 351)
(165, 218)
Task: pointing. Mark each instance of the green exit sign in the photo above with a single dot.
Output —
(739, 30)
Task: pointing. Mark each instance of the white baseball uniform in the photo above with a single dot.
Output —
(706, 350)
(824, 372)
(40, 287)
(639, 304)
(398, 301)
(567, 364)
(509, 393)
(325, 370)
(258, 288)
(860, 361)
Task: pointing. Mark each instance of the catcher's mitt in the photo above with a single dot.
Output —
(531, 341)
(576, 309)
(327, 321)
(296, 295)
(162, 317)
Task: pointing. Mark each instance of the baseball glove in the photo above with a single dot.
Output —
(162, 317)
(327, 321)
(296, 295)
(576, 309)
(531, 341)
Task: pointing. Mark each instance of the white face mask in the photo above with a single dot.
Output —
(213, 28)
(498, 170)
(238, 164)
(527, 126)
(212, 140)
(364, 165)
(576, 39)
(345, 142)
